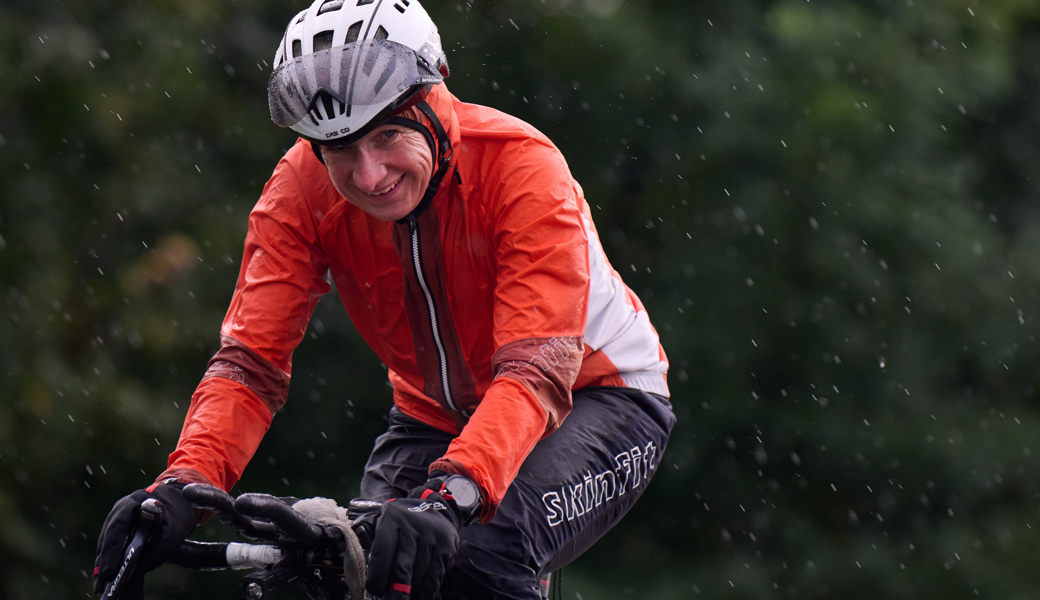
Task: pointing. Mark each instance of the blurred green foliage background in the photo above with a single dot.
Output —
(829, 209)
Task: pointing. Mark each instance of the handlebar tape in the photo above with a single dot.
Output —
(208, 497)
(280, 514)
(201, 555)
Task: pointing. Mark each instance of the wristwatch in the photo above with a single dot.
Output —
(466, 495)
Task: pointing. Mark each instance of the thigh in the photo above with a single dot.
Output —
(574, 486)
(401, 457)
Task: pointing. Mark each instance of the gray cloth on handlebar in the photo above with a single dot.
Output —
(326, 512)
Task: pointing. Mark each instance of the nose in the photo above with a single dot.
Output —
(369, 170)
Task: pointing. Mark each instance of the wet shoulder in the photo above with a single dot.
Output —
(477, 122)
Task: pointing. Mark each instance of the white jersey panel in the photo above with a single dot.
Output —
(617, 329)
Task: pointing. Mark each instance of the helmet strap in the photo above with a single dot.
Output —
(443, 153)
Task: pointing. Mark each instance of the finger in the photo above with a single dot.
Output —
(399, 591)
(427, 573)
(115, 533)
(381, 558)
(403, 566)
(99, 584)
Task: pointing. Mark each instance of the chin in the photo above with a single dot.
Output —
(394, 213)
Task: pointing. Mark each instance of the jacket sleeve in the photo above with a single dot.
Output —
(283, 275)
(541, 305)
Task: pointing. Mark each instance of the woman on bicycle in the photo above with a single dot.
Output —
(529, 387)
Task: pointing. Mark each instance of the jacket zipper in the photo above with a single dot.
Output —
(420, 275)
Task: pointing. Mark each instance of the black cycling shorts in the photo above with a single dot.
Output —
(574, 486)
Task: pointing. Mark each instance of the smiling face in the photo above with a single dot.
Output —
(384, 173)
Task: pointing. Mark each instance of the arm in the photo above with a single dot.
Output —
(541, 304)
(280, 281)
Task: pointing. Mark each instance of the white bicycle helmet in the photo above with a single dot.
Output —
(346, 66)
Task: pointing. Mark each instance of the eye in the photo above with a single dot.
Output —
(389, 134)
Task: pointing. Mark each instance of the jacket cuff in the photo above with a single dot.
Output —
(183, 476)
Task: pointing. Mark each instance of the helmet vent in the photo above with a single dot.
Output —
(364, 2)
(353, 32)
(330, 5)
(297, 48)
(328, 103)
(400, 8)
(381, 33)
(322, 41)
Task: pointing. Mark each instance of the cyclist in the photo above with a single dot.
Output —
(529, 386)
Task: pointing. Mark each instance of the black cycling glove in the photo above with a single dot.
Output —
(416, 539)
(179, 518)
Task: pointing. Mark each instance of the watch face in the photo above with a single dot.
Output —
(463, 491)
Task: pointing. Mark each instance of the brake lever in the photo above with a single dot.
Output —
(151, 512)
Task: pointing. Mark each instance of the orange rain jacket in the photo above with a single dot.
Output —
(489, 309)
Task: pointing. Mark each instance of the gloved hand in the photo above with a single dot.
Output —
(416, 539)
(179, 518)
